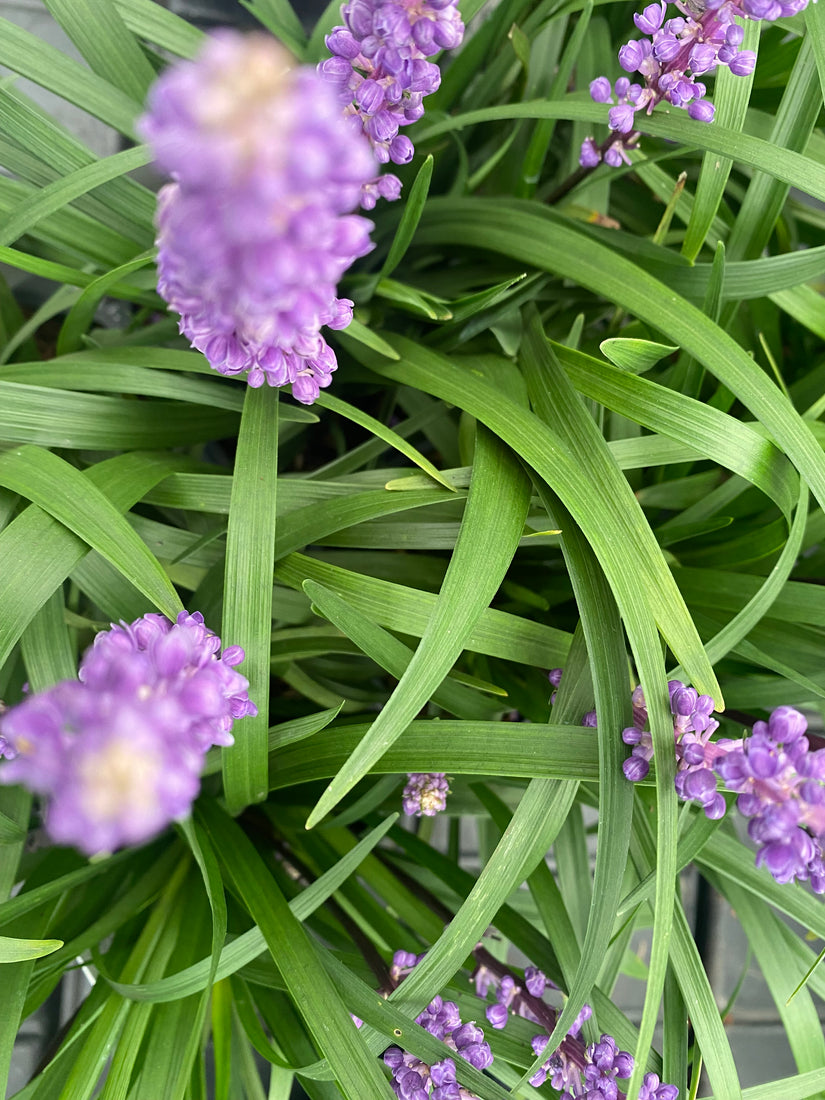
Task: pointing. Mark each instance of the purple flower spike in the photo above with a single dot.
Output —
(119, 753)
(381, 72)
(670, 58)
(256, 231)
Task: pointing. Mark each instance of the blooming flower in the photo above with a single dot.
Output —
(781, 787)
(670, 57)
(412, 1078)
(181, 661)
(695, 752)
(256, 231)
(425, 794)
(118, 754)
(779, 779)
(381, 73)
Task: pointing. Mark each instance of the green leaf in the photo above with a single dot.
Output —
(634, 356)
(722, 438)
(784, 164)
(80, 316)
(315, 995)
(98, 31)
(390, 653)
(491, 528)
(248, 946)
(247, 612)
(538, 818)
(554, 401)
(358, 333)
(778, 965)
(63, 191)
(28, 55)
(47, 650)
(623, 543)
(793, 124)
(54, 418)
(413, 209)
(74, 501)
(527, 234)
(457, 748)
(156, 24)
(12, 951)
(279, 17)
(343, 408)
(731, 95)
(36, 545)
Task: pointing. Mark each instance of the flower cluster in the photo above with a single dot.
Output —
(425, 794)
(118, 754)
(673, 53)
(256, 231)
(577, 1071)
(695, 752)
(381, 73)
(781, 786)
(413, 1079)
(780, 780)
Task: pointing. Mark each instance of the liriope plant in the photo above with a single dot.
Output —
(358, 738)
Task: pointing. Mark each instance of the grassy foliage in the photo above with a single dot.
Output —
(564, 432)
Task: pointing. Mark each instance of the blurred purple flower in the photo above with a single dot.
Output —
(118, 754)
(256, 231)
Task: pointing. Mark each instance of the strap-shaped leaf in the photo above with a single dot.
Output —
(64, 493)
(315, 995)
(247, 612)
(527, 235)
(490, 531)
(35, 543)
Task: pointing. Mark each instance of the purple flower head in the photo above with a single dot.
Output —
(781, 788)
(256, 231)
(425, 794)
(696, 754)
(670, 58)
(382, 67)
(115, 767)
(119, 752)
(180, 661)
